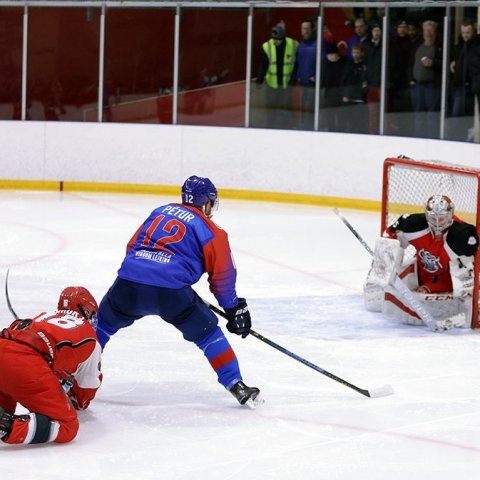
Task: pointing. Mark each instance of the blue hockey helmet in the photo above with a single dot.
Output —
(197, 191)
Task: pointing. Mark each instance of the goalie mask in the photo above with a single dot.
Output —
(80, 300)
(200, 192)
(439, 213)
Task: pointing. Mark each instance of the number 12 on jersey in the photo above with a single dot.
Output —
(160, 234)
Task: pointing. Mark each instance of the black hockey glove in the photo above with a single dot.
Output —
(6, 420)
(239, 320)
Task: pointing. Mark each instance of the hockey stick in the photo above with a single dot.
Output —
(12, 311)
(375, 393)
(350, 227)
(406, 293)
(413, 303)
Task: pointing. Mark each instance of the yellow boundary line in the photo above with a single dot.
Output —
(146, 189)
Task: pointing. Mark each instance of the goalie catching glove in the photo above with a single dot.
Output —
(238, 317)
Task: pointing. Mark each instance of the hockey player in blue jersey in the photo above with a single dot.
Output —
(169, 253)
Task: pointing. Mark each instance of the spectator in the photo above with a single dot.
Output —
(327, 38)
(361, 35)
(355, 91)
(413, 34)
(306, 71)
(331, 98)
(51, 366)
(373, 62)
(465, 57)
(475, 86)
(278, 70)
(425, 79)
(399, 94)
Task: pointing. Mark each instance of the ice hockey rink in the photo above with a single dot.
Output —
(160, 414)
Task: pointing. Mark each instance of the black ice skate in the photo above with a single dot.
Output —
(249, 396)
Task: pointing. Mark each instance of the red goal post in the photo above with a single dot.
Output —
(407, 184)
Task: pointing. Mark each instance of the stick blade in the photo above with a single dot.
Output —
(383, 391)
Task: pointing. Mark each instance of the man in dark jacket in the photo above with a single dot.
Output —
(425, 82)
(306, 71)
(398, 99)
(354, 84)
(465, 69)
(373, 62)
(331, 98)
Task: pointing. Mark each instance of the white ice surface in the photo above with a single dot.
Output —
(160, 414)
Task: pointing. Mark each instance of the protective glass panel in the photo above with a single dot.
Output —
(63, 58)
(138, 75)
(212, 71)
(11, 33)
(344, 90)
(277, 99)
(414, 72)
(463, 93)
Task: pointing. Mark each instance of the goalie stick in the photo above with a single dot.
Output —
(375, 393)
(12, 311)
(350, 227)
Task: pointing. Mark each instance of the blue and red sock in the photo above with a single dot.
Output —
(222, 358)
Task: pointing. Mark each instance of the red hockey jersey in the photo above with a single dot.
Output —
(69, 344)
(433, 255)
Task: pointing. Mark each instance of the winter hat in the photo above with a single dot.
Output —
(278, 32)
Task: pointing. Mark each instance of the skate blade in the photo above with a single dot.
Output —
(253, 403)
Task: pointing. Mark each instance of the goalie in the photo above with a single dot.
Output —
(435, 287)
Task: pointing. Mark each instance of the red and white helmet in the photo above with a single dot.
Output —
(439, 212)
(80, 300)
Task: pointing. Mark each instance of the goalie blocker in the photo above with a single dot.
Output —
(390, 288)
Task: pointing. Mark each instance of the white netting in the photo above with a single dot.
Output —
(409, 187)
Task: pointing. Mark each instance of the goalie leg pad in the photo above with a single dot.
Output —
(446, 312)
(394, 306)
(373, 297)
(449, 311)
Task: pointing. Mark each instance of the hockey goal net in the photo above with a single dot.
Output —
(407, 184)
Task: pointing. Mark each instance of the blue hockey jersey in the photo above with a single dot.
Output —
(175, 246)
